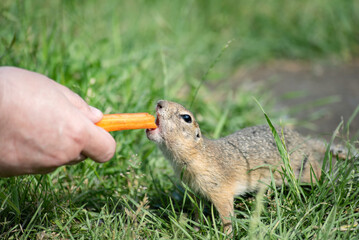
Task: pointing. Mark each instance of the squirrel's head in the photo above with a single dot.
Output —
(176, 127)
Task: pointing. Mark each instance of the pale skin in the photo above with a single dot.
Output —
(44, 125)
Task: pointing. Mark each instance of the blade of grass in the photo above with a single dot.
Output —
(327, 156)
(7, 201)
(174, 221)
(350, 120)
(30, 225)
(327, 229)
(280, 143)
(221, 123)
(211, 66)
(255, 231)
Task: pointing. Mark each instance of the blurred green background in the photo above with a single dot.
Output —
(123, 56)
(171, 41)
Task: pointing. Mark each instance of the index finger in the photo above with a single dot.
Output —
(92, 113)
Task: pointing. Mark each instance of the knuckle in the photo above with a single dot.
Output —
(77, 135)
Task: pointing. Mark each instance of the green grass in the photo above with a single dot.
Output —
(123, 56)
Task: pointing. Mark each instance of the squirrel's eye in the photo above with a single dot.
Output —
(187, 118)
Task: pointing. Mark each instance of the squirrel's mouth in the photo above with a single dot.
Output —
(157, 120)
(157, 123)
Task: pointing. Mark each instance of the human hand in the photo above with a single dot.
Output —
(44, 125)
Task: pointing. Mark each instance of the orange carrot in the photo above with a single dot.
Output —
(126, 121)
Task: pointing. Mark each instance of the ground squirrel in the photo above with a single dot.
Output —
(230, 166)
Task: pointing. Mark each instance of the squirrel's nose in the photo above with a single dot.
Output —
(161, 104)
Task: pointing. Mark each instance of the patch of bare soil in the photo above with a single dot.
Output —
(323, 94)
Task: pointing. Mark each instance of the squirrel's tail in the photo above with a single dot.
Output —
(339, 154)
(338, 151)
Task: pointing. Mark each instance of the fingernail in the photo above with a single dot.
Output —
(98, 114)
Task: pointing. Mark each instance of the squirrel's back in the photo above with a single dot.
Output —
(257, 142)
(252, 151)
